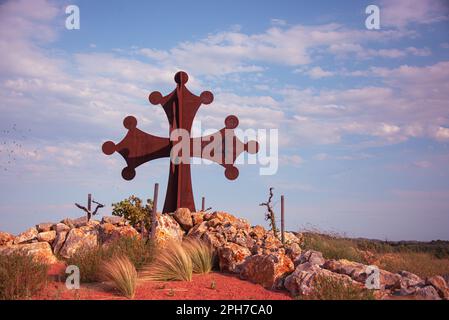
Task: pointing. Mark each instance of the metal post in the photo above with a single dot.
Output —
(203, 204)
(282, 220)
(154, 211)
(89, 202)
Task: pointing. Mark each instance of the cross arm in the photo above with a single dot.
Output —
(223, 147)
(137, 147)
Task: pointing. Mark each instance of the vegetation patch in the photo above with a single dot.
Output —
(21, 276)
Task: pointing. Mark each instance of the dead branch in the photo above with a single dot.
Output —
(270, 215)
(90, 213)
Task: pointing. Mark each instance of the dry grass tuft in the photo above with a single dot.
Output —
(122, 273)
(171, 263)
(201, 254)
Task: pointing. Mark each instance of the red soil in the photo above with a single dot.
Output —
(213, 286)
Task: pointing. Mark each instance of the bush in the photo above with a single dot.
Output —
(134, 211)
(89, 261)
(122, 273)
(328, 288)
(139, 252)
(201, 254)
(21, 276)
(172, 263)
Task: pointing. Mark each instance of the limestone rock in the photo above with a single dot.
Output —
(267, 270)
(79, 238)
(26, 236)
(75, 223)
(59, 241)
(41, 251)
(46, 236)
(293, 251)
(290, 238)
(109, 233)
(302, 280)
(258, 232)
(197, 217)
(114, 220)
(198, 230)
(242, 238)
(6, 238)
(214, 239)
(44, 227)
(184, 217)
(167, 229)
(427, 293)
(357, 271)
(231, 257)
(389, 280)
(311, 256)
(409, 283)
(440, 285)
(60, 227)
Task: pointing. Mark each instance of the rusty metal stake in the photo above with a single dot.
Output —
(89, 202)
(282, 220)
(154, 211)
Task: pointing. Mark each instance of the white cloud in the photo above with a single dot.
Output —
(442, 133)
(401, 13)
(317, 73)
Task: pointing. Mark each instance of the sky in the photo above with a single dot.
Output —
(362, 115)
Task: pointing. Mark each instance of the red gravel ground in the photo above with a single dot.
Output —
(213, 286)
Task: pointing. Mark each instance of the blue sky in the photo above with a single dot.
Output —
(363, 115)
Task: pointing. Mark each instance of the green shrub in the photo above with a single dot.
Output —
(21, 276)
(89, 261)
(134, 211)
(328, 288)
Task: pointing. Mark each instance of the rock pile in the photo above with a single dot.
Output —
(252, 252)
(256, 255)
(46, 241)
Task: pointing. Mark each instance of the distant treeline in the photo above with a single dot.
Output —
(438, 248)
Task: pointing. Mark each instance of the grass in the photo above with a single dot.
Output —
(21, 276)
(89, 261)
(328, 288)
(333, 246)
(422, 258)
(178, 261)
(122, 273)
(172, 263)
(201, 254)
(421, 263)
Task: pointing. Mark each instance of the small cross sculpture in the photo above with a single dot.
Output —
(88, 210)
(180, 106)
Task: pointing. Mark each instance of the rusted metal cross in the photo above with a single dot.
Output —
(180, 106)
